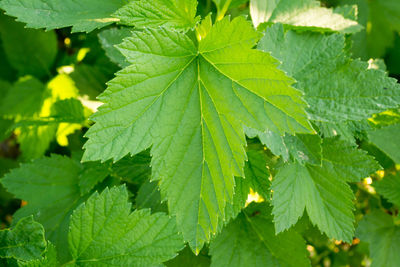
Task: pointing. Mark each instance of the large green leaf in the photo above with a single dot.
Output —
(24, 242)
(250, 240)
(337, 88)
(174, 14)
(321, 190)
(28, 51)
(190, 104)
(104, 232)
(383, 236)
(83, 15)
(301, 14)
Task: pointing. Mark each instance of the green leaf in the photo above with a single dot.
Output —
(187, 258)
(378, 229)
(389, 188)
(93, 173)
(224, 5)
(337, 88)
(50, 186)
(256, 178)
(24, 99)
(109, 39)
(103, 230)
(321, 190)
(387, 139)
(24, 242)
(250, 240)
(303, 15)
(172, 14)
(256, 174)
(28, 51)
(305, 148)
(47, 114)
(149, 197)
(272, 140)
(382, 20)
(190, 104)
(49, 259)
(134, 169)
(83, 15)
(90, 79)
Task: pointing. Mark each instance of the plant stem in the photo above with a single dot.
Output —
(221, 13)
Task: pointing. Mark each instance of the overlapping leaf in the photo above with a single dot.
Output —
(381, 18)
(83, 15)
(321, 190)
(50, 186)
(337, 88)
(24, 242)
(389, 188)
(174, 14)
(387, 139)
(304, 148)
(190, 104)
(37, 57)
(103, 230)
(305, 15)
(111, 37)
(383, 236)
(250, 240)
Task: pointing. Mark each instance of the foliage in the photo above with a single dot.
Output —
(183, 133)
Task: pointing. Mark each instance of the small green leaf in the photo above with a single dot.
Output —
(49, 259)
(321, 190)
(24, 242)
(83, 15)
(104, 231)
(172, 14)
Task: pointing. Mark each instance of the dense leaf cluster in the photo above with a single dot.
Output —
(198, 133)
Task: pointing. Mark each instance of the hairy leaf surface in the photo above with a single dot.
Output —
(105, 231)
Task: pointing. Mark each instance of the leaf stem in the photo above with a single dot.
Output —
(221, 13)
